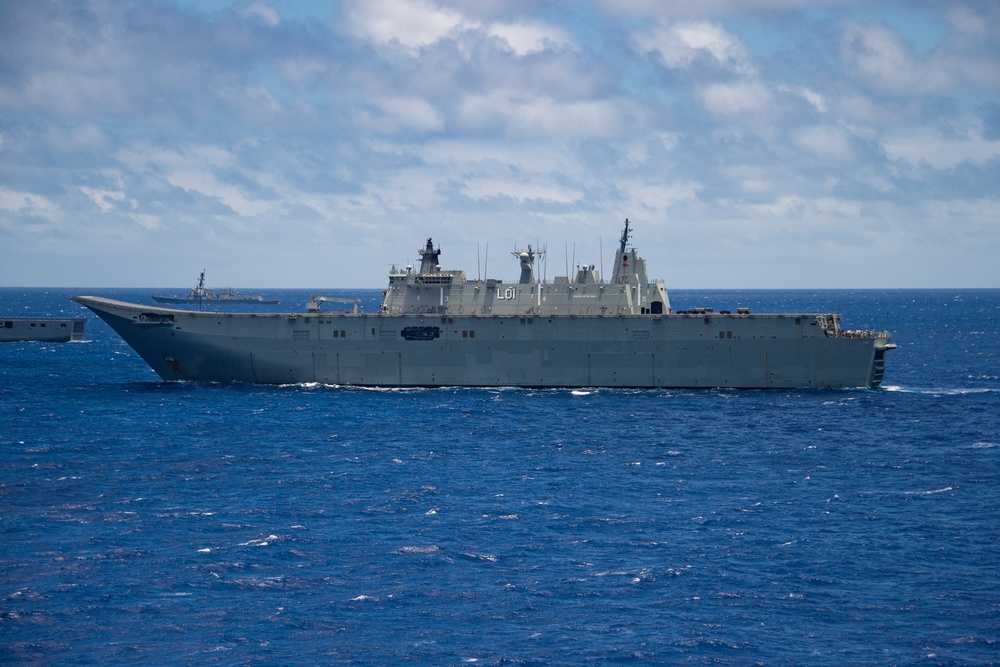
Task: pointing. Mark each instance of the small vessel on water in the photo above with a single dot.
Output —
(201, 294)
(438, 328)
(42, 329)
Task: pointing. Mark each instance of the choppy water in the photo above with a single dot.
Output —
(152, 523)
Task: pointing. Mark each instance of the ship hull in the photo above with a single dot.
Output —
(42, 329)
(640, 351)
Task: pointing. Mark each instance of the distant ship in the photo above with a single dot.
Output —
(201, 294)
(42, 329)
(438, 328)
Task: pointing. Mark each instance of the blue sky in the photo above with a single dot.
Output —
(752, 143)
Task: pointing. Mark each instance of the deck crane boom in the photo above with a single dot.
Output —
(312, 305)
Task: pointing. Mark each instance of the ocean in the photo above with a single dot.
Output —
(151, 523)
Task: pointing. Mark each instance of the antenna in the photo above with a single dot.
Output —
(600, 241)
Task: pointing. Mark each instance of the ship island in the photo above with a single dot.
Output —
(438, 328)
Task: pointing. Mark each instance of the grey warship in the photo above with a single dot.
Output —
(42, 329)
(200, 294)
(439, 328)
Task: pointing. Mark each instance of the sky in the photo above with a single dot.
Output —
(751, 143)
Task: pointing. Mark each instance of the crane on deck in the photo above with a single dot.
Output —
(312, 305)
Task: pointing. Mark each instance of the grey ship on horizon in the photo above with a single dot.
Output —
(438, 328)
(200, 294)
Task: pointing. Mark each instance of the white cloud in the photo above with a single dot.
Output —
(70, 92)
(480, 188)
(680, 45)
(686, 45)
(756, 180)
(106, 200)
(411, 23)
(207, 184)
(802, 214)
(931, 147)
(146, 221)
(969, 23)
(144, 156)
(826, 142)
(814, 98)
(299, 71)
(659, 196)
(737, 100)
(476, 156)
(28, 203)
(884, 62)
(397, 114)
(661, 8)
(541, 116)
(209, 171)
(416, 24)
(531, 37)
(89, 135)
(263, 12)
(858, 108)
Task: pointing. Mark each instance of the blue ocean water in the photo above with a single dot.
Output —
(181, 524)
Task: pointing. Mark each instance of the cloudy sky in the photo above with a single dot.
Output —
(752, 143)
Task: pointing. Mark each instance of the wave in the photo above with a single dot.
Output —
(418, 550)
(927, 493)
(941, 391)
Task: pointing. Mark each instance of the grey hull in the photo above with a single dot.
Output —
(42, 329)
(382, 350)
